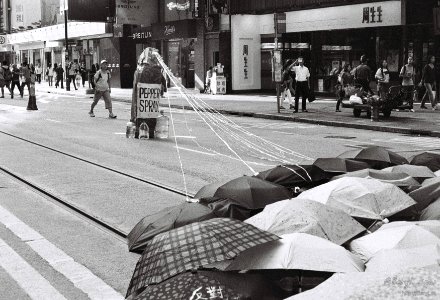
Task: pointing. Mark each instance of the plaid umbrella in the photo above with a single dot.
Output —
(376, 157)
(193, 246)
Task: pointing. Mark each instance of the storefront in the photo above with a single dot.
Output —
(326, 37)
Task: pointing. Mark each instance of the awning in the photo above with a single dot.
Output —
(182, 29)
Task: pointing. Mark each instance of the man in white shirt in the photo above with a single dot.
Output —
(102, 89)
(302, 84)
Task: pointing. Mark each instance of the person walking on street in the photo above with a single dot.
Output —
(15, 80)
(362, 75)
(287, 85)
(429, 80)
(50, 72)
(83, 73)
(383, 79)
(5, 78)
(59, 71)
(72, 71)
(38, 72)
(92, 75)
(103, 89)
(345, 79)
(25, 71)
(302, 78)
(408, 73)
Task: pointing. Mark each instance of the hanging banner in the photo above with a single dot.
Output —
(134, 12)
(148, 98)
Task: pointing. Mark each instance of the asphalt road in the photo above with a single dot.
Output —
(208, 153)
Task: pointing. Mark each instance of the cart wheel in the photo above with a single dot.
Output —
(387, 113)
(357, 112)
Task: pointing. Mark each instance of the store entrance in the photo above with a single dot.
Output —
(181, 60)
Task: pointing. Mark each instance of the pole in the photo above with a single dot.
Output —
(276, 48)
(66, 41)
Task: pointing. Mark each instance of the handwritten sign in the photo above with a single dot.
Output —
(148, 98)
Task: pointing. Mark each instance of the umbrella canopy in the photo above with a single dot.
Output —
(339, 165)
(193, 246)
(428, 159)
(404, 285)
(211, 285)
(397, 235)
(396, 260)
(229, 208)
(432, 212)
(420, 173)
(376, 157)
(362, 198)
(437, 173)
(427, 193)
(292, 176)
(164, 220)
(306, 216)
(298, 251)
(402, 180)
(208, 190)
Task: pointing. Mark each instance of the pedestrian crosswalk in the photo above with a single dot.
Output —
(431, 143)
(276, 125)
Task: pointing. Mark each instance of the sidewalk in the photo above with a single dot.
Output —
(322, 111)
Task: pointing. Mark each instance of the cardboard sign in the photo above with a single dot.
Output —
(148, 98)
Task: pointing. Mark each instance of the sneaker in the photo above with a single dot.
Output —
(112, 116)
(423, 107)
(91, 114)
(305, 110)
(412, 110)
(282, 107)
(295, 111)
(338, 110)
(397, 109)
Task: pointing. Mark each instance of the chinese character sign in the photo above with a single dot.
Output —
(245, 62)
(207, 293)
(372, 14)
(148, 98)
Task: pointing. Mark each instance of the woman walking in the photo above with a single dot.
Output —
(346, 79)
(50, 73)
(5, 78)
(428, 80)
(15, 80)
(383, 79)
(408, 73)
(59, 72)
(288, 84)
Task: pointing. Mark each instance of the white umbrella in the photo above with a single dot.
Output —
(432, 212)
(298, 251)
(437, 173)
(397, 235)
(306, 216)
(419, 172)
(360, 197)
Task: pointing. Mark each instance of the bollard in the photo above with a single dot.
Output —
(32, 103)
(374, 113)
(67, 83)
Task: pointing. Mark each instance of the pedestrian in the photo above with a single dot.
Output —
(72, 71)
(103, 89)
(302, 86)
(49, 73)
(92, 75)
(59, 71)
(287, 85)
(362, 75)
(429, 80)
(15, 80)
(83, 73)
(5, 77)
(408, 73)
(78, 79)
(25, 71)
(345, 79)
(383, 79)
(38, 72)
(208, 80)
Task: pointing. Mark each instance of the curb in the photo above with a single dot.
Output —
(391, 129)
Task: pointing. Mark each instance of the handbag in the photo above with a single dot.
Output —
(311, 97)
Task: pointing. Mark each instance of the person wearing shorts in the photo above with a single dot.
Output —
(102, 89)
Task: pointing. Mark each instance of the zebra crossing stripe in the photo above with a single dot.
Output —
(32, 283)
(79, 275)
(422, 142)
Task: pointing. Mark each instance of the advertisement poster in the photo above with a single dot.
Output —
(148, 98)
(50, 13)
(135, 12)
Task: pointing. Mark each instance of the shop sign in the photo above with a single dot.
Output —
(148, 98)
(2, 39)
(246, 60)
(179, 6)
(142, 35)
(176, 29)
(372, 14)
(280, 21)
(132, 12)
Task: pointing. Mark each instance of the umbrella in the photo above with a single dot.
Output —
(420, 173)
(298, 251)
(396, 260)
(362, 198)
(376, 157)
(432, 212)
(428, 159)
(427, 193)
(292, 176)
(192, 246)
(437, 173)
(229, 208)
(339, 165)
(402, 180)
(397, 235)
(251, 192)
(164, 220)
(300, 215)
(208, 190)
(211, 285)
(423, 282)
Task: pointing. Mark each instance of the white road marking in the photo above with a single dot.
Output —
(51, 120)
(79, 275)
(196, 151)
(424, 142)
(32, 283)
(183, 137)
(43, 101)
(120, 133)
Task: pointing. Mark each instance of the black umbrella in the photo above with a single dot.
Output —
(427, 193)
(432, 212)
(339, 165)
(229, 208)
(212, 285)
(164, 220)
(428, 159)
(376, 157)
(292, 176)
(193, 246)
(250, 191)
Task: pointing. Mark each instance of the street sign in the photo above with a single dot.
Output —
(148, 98)
(2, 39)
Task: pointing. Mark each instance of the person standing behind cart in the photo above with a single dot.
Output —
(362, 75)
(408, 73)
(429, 80)
(302, 77)
(346, 79)
(383, 79)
